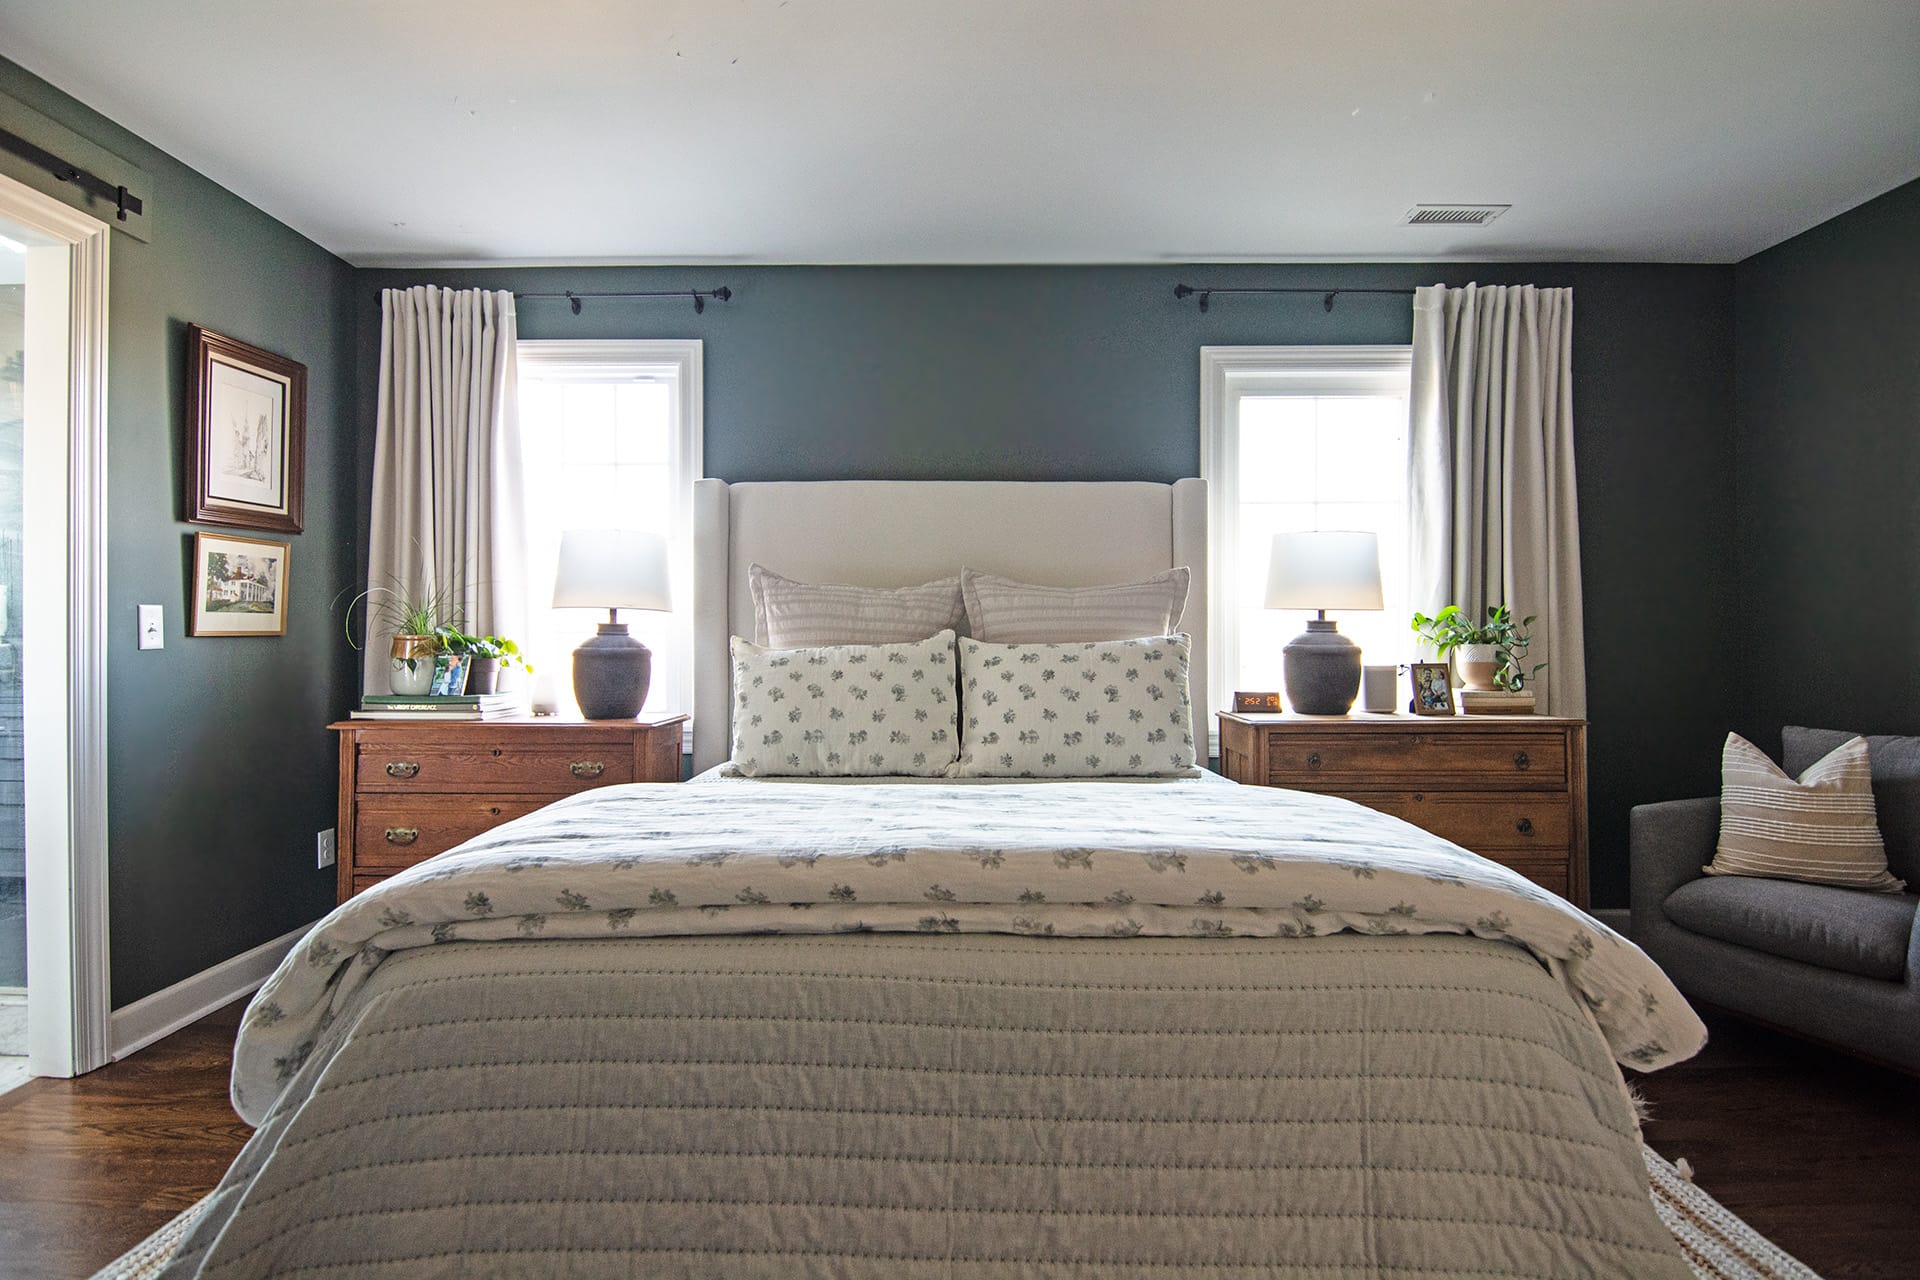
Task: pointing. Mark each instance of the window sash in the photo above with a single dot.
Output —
(677, 363)
(1227, 375)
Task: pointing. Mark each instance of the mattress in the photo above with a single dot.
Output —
(1240, 1032)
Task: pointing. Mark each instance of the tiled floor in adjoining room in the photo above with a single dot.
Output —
(13, 978)
(13, 1039)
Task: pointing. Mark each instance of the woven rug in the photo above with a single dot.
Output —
(1719, 1245)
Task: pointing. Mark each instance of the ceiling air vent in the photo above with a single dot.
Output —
(1453, 215)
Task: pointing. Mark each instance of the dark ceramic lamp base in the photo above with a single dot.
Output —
(1322, 670)
(611, 673)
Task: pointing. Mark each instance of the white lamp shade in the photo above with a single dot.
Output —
(612, 569)
(1324, 570)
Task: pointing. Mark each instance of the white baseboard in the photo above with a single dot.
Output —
(1618, 919)
(153, 1017)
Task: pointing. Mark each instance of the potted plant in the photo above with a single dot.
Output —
(412, 621)
(487, 657)
(1486, 654)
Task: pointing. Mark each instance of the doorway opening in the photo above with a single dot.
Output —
(14, 240)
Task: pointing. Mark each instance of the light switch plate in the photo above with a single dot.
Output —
(153, 626)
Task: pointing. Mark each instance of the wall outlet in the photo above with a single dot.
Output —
(326, 850)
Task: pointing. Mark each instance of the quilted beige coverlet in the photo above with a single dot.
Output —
(1184, 859)
(892, 1107)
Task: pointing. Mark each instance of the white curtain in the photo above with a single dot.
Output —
(447, 512)
(1493, 516)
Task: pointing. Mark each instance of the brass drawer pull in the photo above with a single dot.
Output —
(1520, 760)
(1313, 761)
(403, 769)
(586, 768)
(1524, 826)
(402, 835)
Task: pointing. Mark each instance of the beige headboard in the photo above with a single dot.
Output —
(891, 533)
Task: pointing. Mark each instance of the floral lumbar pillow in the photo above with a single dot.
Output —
(1821, 829)
(1093, 709)
(849, 709)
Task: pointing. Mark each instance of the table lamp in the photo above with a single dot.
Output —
(612, 569)
(1322, 571)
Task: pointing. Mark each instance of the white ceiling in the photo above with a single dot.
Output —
(1004, 131)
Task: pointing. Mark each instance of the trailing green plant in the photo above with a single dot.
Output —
(1453, 627)
(453, 640)
(396, 611)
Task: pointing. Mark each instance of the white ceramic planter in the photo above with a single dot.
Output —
(1477, 665)
(410, 665)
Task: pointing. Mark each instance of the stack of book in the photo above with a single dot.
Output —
(466, 706)
(1496, 702)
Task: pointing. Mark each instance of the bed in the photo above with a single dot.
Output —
(947, 1027)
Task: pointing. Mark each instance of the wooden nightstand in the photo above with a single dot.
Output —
(1510, 788)
(412, 788)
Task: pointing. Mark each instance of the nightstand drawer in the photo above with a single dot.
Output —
(391, 834)
(1506, 762)
(1480, 821)
(539, 770)
(411, 789)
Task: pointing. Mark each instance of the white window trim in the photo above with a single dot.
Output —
(1226, 374)
(682, 361)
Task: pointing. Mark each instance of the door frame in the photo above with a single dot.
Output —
(65, 720)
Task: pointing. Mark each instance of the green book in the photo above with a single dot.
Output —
(421, 701)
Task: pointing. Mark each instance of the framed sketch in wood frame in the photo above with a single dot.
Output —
(246, 435)
(239, 586)
(1432, 689)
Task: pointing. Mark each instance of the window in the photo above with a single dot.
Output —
(611, 433)
(1298, 438)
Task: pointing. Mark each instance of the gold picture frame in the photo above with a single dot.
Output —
(239, 586)
(1432, 689)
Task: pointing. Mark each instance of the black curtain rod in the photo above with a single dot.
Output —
(124, 202)
(1327, 296)
(699, 296)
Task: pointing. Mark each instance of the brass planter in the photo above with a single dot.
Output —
(410, 670)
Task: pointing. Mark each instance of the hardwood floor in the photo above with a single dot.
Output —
(89, 1167)
(1814, 1149)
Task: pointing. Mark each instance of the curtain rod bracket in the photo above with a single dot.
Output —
(699, 296)
(1204, 293)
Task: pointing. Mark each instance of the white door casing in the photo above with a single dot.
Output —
(65, 484)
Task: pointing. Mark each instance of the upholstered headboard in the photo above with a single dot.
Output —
(891, 533)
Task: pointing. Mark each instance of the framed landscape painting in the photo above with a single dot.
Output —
(239, 586)
(246, 435)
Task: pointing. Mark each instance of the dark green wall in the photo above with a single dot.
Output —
(220, 770)
(1068, 373)
(1828, 395)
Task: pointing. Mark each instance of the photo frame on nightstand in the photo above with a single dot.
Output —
(1432, 689)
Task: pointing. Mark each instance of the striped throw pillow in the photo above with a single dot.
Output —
(1820, 829)
(1003, 611)
(788, 614)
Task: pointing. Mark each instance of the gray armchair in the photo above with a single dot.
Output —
(1837, 965)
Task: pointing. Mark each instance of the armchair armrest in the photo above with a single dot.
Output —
(1669, 843)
